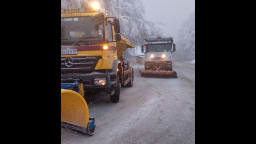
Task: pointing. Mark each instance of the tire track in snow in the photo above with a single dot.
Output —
(124, 126)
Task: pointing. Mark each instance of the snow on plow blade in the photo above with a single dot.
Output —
(75, 112)
(159, 74)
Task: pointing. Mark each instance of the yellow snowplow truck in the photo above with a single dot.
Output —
(158, 58)
(91, 52)
(91, 61)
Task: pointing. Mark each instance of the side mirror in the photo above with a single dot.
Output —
(99, 18)
(127, 64)
(97, 27)
(143, 49)
(174, 47)
(117, 25)
(117, 37)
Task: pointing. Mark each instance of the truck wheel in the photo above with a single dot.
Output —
(130, 83)
(115, 97)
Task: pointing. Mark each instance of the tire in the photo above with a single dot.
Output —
(130, 83)
(115, 97)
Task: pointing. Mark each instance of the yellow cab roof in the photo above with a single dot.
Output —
(78, 12)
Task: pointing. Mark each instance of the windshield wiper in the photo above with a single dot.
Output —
(84, 38)
(66, 41)
(73, 42)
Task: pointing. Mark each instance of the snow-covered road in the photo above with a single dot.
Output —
(154, 110)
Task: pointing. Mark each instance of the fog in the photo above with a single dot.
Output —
(169, 14)
(141, 19)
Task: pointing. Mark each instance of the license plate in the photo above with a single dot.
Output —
(69, 52)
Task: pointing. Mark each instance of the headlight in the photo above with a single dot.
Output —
(100, 81)
(163, 56)
(152, 56)
(95, 5)
(105, 47)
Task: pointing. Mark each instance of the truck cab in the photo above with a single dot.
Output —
(91, 45)
(159, 51)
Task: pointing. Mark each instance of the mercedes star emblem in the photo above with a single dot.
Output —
(69, 62)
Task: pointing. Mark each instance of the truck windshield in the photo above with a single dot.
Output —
(158, 48)
(80, 29)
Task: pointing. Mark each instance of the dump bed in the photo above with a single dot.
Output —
(122, 45)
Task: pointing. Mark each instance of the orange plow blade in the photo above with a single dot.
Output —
(159, 74)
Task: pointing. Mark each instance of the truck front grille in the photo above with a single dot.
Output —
(158, 58)
(78, 64)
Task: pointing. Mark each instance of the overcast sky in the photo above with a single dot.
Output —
(171, 13)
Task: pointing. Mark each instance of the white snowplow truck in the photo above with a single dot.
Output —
(158, 58)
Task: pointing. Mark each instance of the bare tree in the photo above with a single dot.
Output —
(186, 40)
(66, 4)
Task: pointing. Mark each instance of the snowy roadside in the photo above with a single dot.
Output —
(138, 66)
(191, 62)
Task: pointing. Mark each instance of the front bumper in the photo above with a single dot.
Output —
(88, 79)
